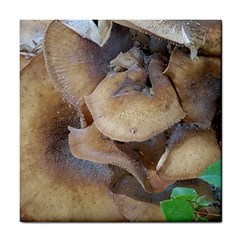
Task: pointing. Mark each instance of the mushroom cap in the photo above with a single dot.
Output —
(125, 109)
(90, 144)
(128, 59)
(76, 64)
(138, 158)
(134, 203)
(194, 34)
(55, 186)
(189, 152)
(198, 85)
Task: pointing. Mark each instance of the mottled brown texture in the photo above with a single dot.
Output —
(138, 158)
(203, 35)
(76, 64)
(134, 203)
(198, 84)
(189, 152)
(138, 112)
(55, 186)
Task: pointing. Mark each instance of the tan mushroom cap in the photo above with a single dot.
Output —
(55, 186)
(76, 64)
(138, 158)
(125, 109)
(128, 59)
(197, 84)
(134, 203)
(90, 144)
(194, 34)
(189, 152)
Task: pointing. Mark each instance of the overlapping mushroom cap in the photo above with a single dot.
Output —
(129, 103)
(55, 186)
(76, 64)
(198, 85)
(190, 150)
(194, 34)
(139, 159)
(124, 108)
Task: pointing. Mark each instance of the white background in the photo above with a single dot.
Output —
(11, 12)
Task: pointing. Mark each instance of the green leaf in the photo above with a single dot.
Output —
(212, 174)
(185, 193)
(202, 202)
(177, 210)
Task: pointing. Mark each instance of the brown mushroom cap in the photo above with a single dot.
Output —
(125, 109)
(189, 152)
(128, 59)
(55, 186)
(138, 158)
(194, 34)
(90, 144)
(75, 64)
(134, 203)
(198, 85)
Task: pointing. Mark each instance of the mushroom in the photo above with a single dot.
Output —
(134, 203)
(204, 35)
(126, 60)
(139, 159)
(139, 206)
(55, 186)
(189, 152)
(76, 64)
(197, 84)
(124, 108)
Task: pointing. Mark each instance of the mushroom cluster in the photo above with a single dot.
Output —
(145, 107)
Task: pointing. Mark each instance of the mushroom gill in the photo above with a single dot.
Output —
(76, 64)
(197, 84)
(124, 108)
(55, 186)
(189, 152)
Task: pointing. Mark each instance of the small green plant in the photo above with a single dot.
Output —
(184, 204)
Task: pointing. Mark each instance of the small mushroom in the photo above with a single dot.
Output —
(198, 86)
(76, 64)
(55, 186)
(194, 34)
(128, 59)
(189, 152)
(124, 108)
